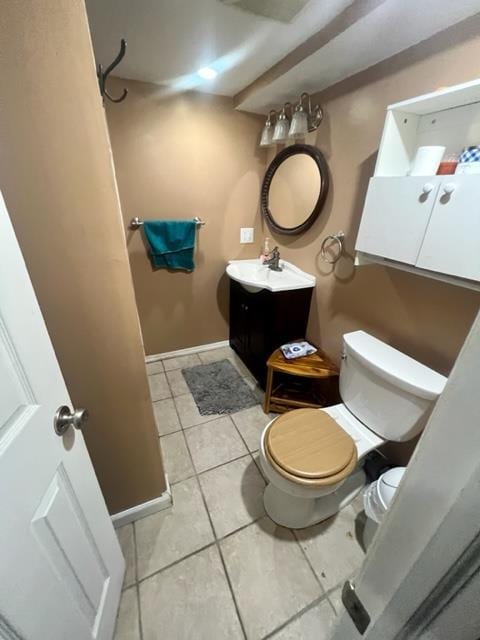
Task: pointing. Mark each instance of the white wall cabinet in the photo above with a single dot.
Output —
(428, 225)
(431, 224)
(395, 217)
(452, 240)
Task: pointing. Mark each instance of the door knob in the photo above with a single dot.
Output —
(449, 187)
(427, 187)
(65, 418)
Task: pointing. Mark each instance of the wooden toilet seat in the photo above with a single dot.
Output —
(308, 447)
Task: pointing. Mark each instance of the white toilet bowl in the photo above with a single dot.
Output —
(295, 505)
(387, 396)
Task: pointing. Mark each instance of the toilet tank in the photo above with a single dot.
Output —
(391, 393)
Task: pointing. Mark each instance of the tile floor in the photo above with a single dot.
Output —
(215, 566)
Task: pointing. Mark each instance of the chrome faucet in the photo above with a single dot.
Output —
(273, 262)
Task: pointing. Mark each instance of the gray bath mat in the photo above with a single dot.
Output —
(218, 388)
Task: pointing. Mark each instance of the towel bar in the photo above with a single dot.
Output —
(136, 223)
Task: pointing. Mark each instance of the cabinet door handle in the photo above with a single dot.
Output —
(427, 187)
(449, 188)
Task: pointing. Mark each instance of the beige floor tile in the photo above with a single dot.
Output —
(127, 621)
(154, 367)
(332, 548)
(188, 412)
(314, 624)
(181, 362)
(234, 495)
(214, 443)
(170, 535)
(255, 388)
(190, 601)
(251, 422)
(335, 598)
(178, 385)
(176, 458)
(159, 389)
(214, 355)
(357, 504)
(166, 417)
(258, 462)
(270, 577)
(127, 543)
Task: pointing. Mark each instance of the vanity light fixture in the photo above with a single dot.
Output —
(305, 119)
(314, 115)
(207, 73)
(266, 139)
(299, 125)
(282, 126)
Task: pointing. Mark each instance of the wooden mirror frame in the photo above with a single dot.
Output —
(285, 153)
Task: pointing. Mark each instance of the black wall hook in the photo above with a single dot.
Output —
(103, 75)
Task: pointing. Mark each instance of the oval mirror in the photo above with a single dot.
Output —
(294, 188)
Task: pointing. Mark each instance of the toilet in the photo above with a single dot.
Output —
(313, 458)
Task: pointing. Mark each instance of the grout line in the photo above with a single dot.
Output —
(227, 577)
(175, 562)
(170, 433)
(304, 553)
(248, 449)
(192, 553)
(218, 466)
(137, 585)
(329, 593)
(232, 593)
(241, 528)
(214, 417)
(297, 615)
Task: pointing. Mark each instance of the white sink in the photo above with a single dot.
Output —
(255, 276)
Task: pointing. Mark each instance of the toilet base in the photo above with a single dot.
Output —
(295, 512)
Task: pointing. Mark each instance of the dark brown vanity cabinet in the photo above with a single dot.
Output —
(262, 321)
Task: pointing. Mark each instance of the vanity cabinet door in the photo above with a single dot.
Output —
(396, 215)
(452, 240)
(260, 322)
(238, 319)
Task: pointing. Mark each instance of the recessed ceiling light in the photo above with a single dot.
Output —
(207, 73)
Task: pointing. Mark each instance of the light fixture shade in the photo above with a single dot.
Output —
(299, 126)
(267, 135)
(280, 133)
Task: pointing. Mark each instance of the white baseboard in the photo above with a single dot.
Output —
(144, 509)
(186, 352)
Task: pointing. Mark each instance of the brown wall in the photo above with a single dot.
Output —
(178, 157)
(425, 318)
(57, 178)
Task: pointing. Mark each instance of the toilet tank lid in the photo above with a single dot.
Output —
(394, 365)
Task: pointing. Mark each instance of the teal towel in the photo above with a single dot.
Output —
(171, 243)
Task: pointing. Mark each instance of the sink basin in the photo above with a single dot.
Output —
(255, 276)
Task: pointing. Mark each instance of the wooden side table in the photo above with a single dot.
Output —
(280, 399)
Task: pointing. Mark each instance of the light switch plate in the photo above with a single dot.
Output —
(246, 235)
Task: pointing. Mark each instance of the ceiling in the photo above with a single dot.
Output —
(169, 40)
(262, 61)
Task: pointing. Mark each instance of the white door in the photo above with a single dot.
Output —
(421, 577)
(61, 567)
(452, 241)
(395, 216)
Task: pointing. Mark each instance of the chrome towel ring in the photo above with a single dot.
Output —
(335, 237)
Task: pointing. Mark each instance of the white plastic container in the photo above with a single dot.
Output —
(427, 160)
(378, 496)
